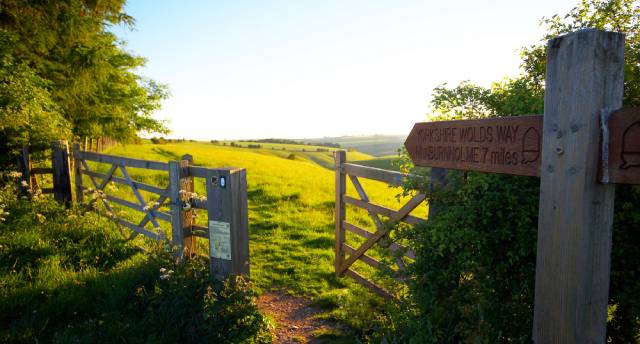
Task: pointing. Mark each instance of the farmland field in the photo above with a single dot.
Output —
(376, 145)
(291, 216)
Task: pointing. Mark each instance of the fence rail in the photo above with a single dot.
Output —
(344, 263)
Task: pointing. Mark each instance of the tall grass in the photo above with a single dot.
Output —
(69, 276)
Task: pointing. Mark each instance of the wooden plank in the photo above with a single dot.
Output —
(93, 180)
(623, 158)
(175, 201)
(438, 178)
(382, 210)
(227, 208)
(142, 186)
(340, 157)
(143, 203)
(397, 216)
(198, 231)
(107, 177)
(24, 167)
(198, 171)
(61, 172)
(138, 230)
(123, 202)
(42, 170)
(369, 285)
(365, 198)
(501, 145)
(201, 172)
(584, 75)
(386, 176)
(187, 217)
(153, 212)
(77, 167)
(372, 262)
(394, 247)
(122, 161)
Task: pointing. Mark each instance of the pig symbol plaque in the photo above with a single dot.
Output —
(624, 147)
(631, 147)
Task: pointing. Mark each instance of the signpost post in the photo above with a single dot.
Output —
(579, 149)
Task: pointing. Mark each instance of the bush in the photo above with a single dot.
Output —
(70, 276)
(158, 140)
(474, 276)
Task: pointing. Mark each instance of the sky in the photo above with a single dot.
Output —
(304, 69)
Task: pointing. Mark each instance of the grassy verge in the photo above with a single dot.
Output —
(69, 276)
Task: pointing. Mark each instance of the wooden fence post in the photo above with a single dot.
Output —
(438, 178)
(228, 222)
(77, 165)
(187, 217)
(24, 167)
(340, 158)
(61, 172)
(181, 188)
(584, 75)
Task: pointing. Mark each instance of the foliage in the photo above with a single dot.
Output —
(62, 69)
(68, 276)
(473, 280)
(28, 115)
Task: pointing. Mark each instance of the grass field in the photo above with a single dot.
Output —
(322, 156)
(376, 145)
(291, 219)
(389, 162)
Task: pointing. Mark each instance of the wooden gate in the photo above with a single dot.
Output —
(344, 264)
(226, 205)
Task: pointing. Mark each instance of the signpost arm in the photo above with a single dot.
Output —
(584, 75)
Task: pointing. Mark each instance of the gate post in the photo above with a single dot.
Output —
(584, 75)
(24, 167)
(228, 222)
(77, 167)
(61, 172)
(180, 190)
(340, 157)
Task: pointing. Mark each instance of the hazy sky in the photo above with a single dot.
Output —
(296, 69)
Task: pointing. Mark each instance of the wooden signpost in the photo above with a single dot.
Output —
(580, 148)
(503, 145)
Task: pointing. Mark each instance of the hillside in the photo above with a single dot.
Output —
(376, 145)
(322, 156)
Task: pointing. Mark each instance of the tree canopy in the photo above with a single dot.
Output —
(63, 74)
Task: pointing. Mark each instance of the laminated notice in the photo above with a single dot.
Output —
(220, 239)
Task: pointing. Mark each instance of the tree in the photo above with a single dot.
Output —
(474, 276)
(80, 68)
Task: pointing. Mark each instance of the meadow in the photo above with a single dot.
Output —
(291, 220)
